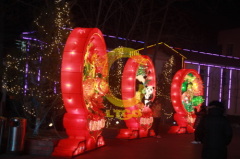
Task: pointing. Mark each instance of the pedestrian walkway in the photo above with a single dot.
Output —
(170, 146)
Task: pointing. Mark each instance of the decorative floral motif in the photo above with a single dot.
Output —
(191, 92)
(95, 87)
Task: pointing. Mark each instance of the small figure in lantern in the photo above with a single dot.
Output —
(148, 94)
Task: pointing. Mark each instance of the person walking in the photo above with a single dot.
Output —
(156, 111)
(200, 114)
(215, 132)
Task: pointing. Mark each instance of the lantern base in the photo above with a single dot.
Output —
(133, 134)
(181, 130)
(72, 147)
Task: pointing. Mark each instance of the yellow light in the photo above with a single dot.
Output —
(68, 85)
(68, 68)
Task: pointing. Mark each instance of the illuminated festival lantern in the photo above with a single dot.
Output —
(138, 92)
(83, 82)
(186, 95)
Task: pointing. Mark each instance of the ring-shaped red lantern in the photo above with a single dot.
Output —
(83, 83)
(138, 83)
(186, 95)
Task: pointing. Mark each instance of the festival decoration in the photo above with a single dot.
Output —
(186, 95)
(83, 82)
(138, 84)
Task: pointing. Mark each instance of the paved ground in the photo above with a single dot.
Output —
(170, 146)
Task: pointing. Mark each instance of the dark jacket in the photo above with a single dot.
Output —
(216, 134)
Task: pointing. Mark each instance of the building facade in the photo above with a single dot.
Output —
(228, 41)
(220, 73)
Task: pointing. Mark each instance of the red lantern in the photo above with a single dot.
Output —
(83, 73)
(186, 95)
(138, 69)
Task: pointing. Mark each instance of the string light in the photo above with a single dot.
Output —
(163, 85)
(35, 72)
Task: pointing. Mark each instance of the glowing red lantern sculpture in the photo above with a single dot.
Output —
(186, 95)
(83, 82)
(138, 85)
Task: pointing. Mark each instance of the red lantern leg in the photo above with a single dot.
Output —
(127, 134)
(143, 132)
(69, 147)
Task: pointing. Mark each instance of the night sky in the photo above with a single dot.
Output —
(209, 16)
(218, 14)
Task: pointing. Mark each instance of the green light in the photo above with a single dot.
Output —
(196, 100)
(184, 86)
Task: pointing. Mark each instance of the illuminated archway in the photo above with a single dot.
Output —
(83, 82)
(138, 85)
(186, 95)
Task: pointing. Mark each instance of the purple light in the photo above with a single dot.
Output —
(207, 53)
(232, 68)
(196, 63)
(26, 70)
(214, 54)
(111, 36)
(31, 32)
(66, 28)
(28, 46)
(229, 89)
(220, 87)
(222, 55)
(33, 39)
(39, 74)
(26, 82)
(39, 70)
(203, 64)
(199, 68)
(55, 88)
(26, 38)
(194, 51)
(120, 38)
(141, 42)
(211, 65)
(208, 77)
